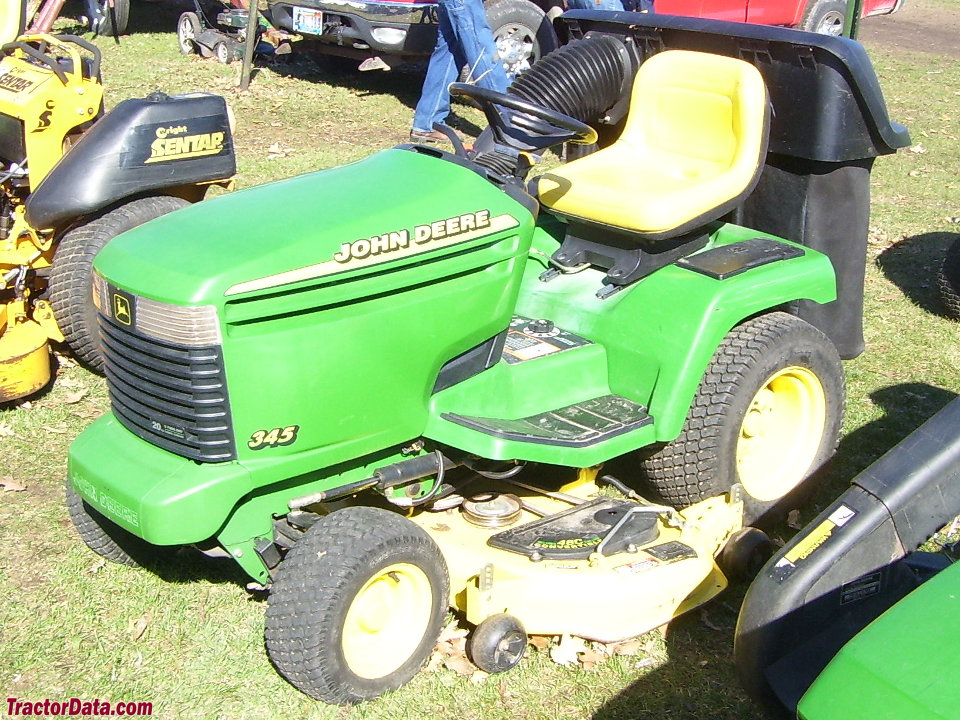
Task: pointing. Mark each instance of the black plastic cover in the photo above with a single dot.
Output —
(826, 100)
(847, 566)
(142, 145)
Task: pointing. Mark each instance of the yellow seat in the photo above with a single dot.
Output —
(691, 149)
(13, 15)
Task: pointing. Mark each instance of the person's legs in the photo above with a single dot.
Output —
(474, 39)
(434, 103)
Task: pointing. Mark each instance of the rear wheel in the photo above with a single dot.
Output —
(948, 281)
(522, 32)
(101, 535)
(357, 605)
(223, 52)
(71, 278)
(825, 17)
(766, 415)
(188, 28)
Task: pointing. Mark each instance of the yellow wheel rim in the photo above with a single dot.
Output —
(781, 433)
(387, 620)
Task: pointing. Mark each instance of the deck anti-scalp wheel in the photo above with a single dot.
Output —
(766, 415)
(357, 605)
(498, 643)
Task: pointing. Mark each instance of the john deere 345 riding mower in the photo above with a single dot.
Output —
(384, 410)
(71, 178)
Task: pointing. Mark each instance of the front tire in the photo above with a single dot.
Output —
(106, 539)
(522, 32)
(71, 278)
(766, 414)
(357, 606)
(188, 28)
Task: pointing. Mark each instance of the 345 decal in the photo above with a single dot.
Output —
(277, 437)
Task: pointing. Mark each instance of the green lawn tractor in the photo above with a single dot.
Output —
(343, 403)
(848, 621)
(71, 178)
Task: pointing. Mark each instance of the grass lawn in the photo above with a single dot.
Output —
(188, 637)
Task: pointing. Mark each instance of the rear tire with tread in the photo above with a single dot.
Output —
(71, 278)
(363, 572)
(948, 281)
(794, 369)
(116, 19)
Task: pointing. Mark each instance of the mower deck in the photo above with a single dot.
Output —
(547, 581)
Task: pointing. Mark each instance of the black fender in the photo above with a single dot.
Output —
(847, 566)
(143, 145)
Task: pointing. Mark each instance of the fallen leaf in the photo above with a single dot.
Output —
(629, 647)
(451, 632)
(793, 519)
(55, 430)
(705, 619)
(567, 650)
(72, 398)
(646, 662)
(918, 149)
(459, 664)
(590, 658)
(436, 660)
(137, 627)
(540, 642)
(11, 485)
(478, 676)
(97, 566)
(5, 430)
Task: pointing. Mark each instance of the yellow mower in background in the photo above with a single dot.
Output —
(71, 178)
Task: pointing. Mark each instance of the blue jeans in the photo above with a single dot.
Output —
(594, 5)
(463, 38)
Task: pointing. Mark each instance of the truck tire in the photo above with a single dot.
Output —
(106, 539)
(522, 32)
(825, 17)
(71, 278)
(948, 281)
(766, 415)
(115, 19)
(357, 605)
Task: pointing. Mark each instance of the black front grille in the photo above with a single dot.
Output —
(172, 396)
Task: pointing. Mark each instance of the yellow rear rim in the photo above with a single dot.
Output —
(387, 620)
(781, 433)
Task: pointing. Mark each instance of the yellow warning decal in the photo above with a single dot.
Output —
(820, 534)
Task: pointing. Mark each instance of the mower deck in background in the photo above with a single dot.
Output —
(382, 411)
(844, 622)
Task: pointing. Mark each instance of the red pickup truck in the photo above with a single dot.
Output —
(384, 33)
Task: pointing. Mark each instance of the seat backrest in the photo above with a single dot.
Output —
(12, 18)
(700, 109)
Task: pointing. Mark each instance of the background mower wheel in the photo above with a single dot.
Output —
(745, 554)
(766, 415)
(102, 536)
(71, 279)
(498, 643)
(223, 52)
(188, 28)
(948, 281)
(357, 605)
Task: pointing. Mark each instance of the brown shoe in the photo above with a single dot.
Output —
(431, 138)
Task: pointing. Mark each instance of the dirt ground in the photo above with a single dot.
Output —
(919, 26)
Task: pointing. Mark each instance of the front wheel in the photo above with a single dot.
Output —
(826, 17)
(71, 278)
(188, 28)
(766, 414)
(522, 32)
(357, 605)
(106, 539)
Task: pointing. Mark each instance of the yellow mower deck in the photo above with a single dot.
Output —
(602, 598)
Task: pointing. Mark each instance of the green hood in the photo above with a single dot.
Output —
(393, 205)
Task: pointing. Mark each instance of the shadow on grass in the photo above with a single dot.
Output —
(184, 565)
(913, 263)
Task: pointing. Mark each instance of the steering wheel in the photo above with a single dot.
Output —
(539, 127)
